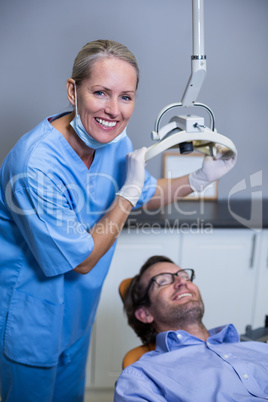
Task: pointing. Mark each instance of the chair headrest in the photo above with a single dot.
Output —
(134, 354)
(123, 287)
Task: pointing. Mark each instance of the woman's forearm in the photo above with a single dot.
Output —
(105, 232)
(168, 191)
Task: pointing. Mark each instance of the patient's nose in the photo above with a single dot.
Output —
(178, 281)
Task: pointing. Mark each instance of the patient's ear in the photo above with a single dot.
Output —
(143, 315)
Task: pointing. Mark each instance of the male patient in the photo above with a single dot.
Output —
(189, 363)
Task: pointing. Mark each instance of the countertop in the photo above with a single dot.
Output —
(235, 214)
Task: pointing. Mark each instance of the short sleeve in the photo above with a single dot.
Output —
(49, 224)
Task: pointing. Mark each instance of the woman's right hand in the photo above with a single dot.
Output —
(132, 188)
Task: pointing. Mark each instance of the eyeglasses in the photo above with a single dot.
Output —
(166, 278)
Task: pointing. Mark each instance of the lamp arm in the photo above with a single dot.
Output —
(198, 59)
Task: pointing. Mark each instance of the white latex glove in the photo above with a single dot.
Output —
(132, 188)
(213, 169)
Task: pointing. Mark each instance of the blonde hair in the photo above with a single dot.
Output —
(92, 51)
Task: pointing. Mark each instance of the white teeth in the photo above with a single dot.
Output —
(183, 295)
(106, 123)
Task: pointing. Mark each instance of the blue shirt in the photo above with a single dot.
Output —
(49, 200)
(185, 368)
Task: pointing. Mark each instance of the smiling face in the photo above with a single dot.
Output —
(173, 306)
(106, 100)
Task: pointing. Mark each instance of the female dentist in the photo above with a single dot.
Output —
(67, 188)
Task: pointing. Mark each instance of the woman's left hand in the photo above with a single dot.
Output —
(213, 169)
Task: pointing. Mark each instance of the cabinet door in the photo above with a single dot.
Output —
(225, 274)
(261, 301)
(112, 336)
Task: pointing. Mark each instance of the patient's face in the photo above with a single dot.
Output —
(175, 304)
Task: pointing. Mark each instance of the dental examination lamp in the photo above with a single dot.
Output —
(186, 131)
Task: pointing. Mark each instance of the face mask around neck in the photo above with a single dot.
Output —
(78, 127)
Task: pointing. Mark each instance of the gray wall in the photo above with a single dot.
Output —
(39, 40)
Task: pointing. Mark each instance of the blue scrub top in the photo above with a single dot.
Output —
(49, 200)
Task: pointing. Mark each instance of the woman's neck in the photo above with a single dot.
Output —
(62, 124)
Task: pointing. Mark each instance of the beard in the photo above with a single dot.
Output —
(181, 316)
(188, 314)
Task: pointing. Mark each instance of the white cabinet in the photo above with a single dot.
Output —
(231, 273)
(261, 289)
(224, 262)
